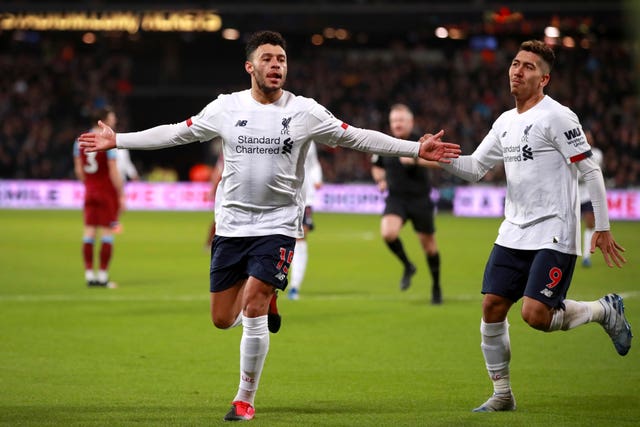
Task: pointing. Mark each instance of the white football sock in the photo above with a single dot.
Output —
(597, 311)
(586, 242)
(496, 349)
(576, 313)
(237, 322)
(299, 264)
(254, 347)
(103, 276)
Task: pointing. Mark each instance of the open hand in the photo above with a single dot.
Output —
(433, 148)
(104, 139)
(609, 247)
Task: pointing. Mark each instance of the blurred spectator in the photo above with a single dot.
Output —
(48, 84)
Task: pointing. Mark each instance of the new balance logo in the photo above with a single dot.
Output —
(241, 123)
(288, 145)
(572, 134)
(527, 153)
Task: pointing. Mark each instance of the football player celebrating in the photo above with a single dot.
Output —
(266, 132)
(542, 146)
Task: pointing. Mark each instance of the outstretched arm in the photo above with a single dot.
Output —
(103, 140)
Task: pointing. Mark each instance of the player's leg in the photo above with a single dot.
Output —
(390, 227)
(503, 282)
(227, 278)
(107, 239)
(589, 221)
(545, 307)
(88, 241)
(299, 263)
(226, 306)
(298, 268)
(421, 213)
(269, 260)
(430, 247)
(496, 349)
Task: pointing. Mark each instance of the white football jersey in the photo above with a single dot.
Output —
(264, 148)
(539, 148)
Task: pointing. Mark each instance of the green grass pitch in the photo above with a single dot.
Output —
(354, 350)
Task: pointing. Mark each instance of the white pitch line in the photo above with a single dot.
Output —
(111, 296)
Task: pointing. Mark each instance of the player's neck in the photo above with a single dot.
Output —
(266, 97)
(523, 105)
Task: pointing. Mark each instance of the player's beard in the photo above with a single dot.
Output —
(268, 89)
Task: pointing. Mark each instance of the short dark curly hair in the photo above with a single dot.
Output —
(264, 37)
(541, 49)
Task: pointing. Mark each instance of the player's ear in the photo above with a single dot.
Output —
(545, 79)
(248, 66)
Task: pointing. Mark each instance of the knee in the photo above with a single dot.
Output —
(494, 309)
(388, 235)
(537, 319)
(221, 322)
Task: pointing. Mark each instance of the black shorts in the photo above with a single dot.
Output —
(307, 218)
(236, 258)
(544, 275)
(417, 209)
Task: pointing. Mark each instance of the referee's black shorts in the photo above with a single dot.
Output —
(419, 210)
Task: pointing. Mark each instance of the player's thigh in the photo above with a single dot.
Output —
(390, 226)
(421, 213)
(256, 297)
(550, 277)
(226, 305)
(506, 272)
(228, 263)
(269, 259)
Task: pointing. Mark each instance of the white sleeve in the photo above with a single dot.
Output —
(326, 129)
(593, 179)
(157, 137)
(372, 141)
(466, 167)
(474, 167)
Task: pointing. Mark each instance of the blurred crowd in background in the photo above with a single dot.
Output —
(50, 83)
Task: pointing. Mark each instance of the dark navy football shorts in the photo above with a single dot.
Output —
(236, 258)
(417, 209)
(544, 275)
